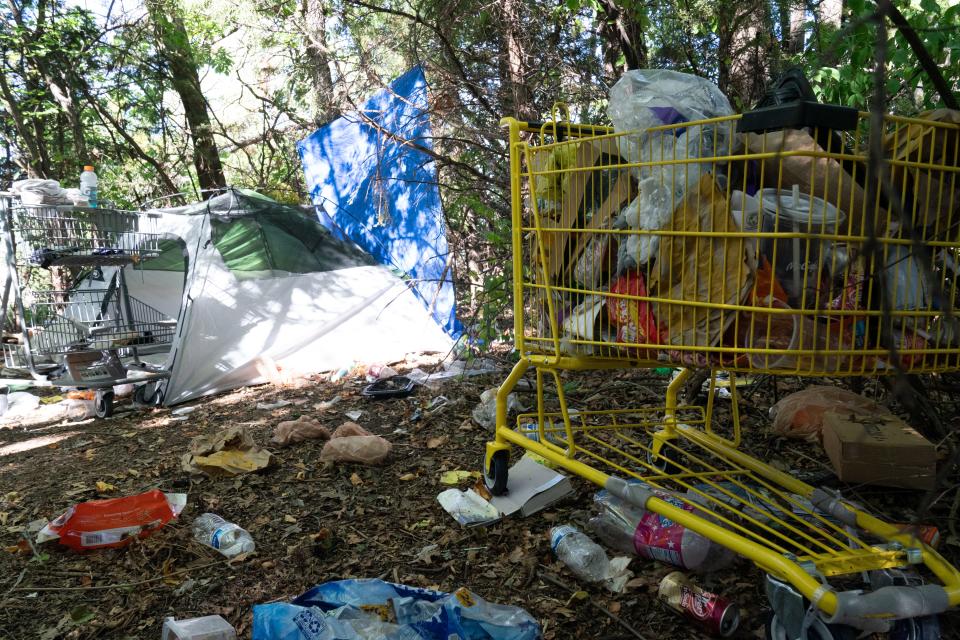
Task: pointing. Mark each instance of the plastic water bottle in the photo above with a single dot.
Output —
(582, 555)
(89, 185)
(625, 527)
(227, 538)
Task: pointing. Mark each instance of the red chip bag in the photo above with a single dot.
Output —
(98, 524)
(633, 318)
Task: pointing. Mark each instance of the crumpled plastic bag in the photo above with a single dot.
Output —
(365, 610)
(645, 98)
(229, 452)
(800, 415)
(98, 524)
(649, 211)
(485, 413)
(294, 431)
(352, 443)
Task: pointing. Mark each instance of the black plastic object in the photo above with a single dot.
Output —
(799, 114)
(392, 387)
(792, 86)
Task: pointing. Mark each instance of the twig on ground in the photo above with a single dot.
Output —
(559, 583)
(121, 585)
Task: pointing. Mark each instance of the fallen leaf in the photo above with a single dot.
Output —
(4, 516)
(407, 477)
(613, 607)
(480, 488)
(516, 555)
(81, 614)
(134, 473)
(355, 480)
(105, 487)
(86, 581)
(167, 570)
(426, 554)
(354, 539)
(457, 476)
(433, 443)
(289, 518)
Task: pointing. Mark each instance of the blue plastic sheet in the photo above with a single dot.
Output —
(372, 182)
(356, 610)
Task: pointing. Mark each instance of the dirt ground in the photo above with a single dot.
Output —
(385, 520)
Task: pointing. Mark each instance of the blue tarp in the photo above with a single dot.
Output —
(371, 184)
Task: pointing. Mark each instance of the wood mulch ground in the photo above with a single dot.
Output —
(385, 520)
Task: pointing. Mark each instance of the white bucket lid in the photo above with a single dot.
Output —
(800, 207)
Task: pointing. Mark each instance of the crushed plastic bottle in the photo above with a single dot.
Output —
(631, 529)
(582, 555)
(226, 537)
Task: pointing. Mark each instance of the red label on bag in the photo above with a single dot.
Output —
(633, 318)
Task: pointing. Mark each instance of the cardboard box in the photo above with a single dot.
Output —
(881, 450)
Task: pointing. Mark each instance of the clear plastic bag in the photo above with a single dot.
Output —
(645, 98)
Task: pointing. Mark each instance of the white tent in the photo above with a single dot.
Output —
(253, 283)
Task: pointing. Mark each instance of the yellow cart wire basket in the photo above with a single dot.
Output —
(734, 244)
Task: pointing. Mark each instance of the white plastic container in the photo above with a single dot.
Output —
(89, 185)
(797, 262)
(205, 628)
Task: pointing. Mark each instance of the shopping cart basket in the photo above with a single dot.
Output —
(741, 245)
(81, 337)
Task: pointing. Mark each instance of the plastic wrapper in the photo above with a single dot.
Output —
(634, 319)
(649, 211)
(800, 415)
(485, 413)
(99, 524)
(303, 428)
(593, 265)
(378, 610)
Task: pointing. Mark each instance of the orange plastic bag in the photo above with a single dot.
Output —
(800, 415)
(99, 524)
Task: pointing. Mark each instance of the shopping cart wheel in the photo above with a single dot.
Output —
(925, 628)
(103, 403)
(818, 630)
(495, 475)
(148, 395)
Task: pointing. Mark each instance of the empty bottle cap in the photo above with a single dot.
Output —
(88, 167)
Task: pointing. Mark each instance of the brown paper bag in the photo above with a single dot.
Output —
(698, 268)
(934, 192)
(822, 177)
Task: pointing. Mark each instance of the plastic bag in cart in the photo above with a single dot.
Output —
(374, 609)
(645, 98)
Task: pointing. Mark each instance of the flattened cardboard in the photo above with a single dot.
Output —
(882, 450)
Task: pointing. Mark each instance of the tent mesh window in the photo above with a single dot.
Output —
(280, 242)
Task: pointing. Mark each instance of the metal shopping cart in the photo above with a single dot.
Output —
(760, 243)
(83, 337)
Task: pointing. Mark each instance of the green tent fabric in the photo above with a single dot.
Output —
(170, 258)
(259, 237)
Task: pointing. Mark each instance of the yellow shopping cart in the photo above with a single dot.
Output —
(745, 244)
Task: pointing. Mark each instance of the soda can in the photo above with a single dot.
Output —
(716, 614)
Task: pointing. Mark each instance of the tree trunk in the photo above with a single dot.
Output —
(315, 20)
(518, 99)
(174, 47)
(623, 32)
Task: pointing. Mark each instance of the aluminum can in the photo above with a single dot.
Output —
(714, 613)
